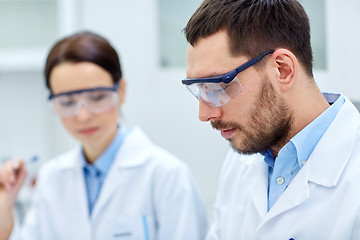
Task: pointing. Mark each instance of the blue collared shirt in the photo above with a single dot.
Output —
(95, 173)
(295, 153)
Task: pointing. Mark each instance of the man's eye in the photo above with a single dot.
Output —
(227, 88)
(217, 90)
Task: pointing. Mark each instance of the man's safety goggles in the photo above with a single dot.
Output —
(219, 90)
(95, 100)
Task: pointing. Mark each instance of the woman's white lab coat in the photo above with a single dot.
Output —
(322, 202)
(148, 194)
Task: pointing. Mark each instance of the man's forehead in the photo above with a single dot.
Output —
(215, 42)
(205, 53)
(210, 56)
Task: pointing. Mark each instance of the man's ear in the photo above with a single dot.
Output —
(121, 91)
(286, 65)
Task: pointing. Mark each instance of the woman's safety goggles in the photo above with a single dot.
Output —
(219, 90)
(95, 100)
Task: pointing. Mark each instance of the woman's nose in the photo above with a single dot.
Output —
(83, 114)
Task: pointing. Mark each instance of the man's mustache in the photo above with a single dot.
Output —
(219, 125)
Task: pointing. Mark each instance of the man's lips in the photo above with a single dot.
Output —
(227, 133)
(88, 131)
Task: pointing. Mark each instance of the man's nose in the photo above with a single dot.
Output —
(207, 113)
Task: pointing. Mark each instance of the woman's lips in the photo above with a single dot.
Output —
(88, 131)
(227, 133)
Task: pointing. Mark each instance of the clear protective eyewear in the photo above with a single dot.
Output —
(219, 90)
(95, 100)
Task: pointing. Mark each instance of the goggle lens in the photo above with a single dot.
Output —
(98, 101)
(216, 94)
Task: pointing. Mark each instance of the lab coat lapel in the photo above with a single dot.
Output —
(74, 174)
(296, 193)
(258, 188)
(115, 181)
(133, 153)
(80, 192)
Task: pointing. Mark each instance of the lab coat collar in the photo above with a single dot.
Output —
(326, 163)
(71, 159)
(133, 153)
(335, 158)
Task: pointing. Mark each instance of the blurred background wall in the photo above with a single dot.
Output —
(148, 36)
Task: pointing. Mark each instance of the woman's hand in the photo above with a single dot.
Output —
(12, 175)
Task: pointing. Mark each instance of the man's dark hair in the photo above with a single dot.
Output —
(84, 47)
(255, 26)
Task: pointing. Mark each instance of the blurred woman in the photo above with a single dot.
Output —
(116, 184)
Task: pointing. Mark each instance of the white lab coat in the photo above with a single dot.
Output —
(145, 186)
(322, 202)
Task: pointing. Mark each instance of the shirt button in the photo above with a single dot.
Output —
(280, 180)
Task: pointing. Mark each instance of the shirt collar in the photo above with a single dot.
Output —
(305, 141)
(269, 158)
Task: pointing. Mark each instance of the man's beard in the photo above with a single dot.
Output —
(269, 123)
